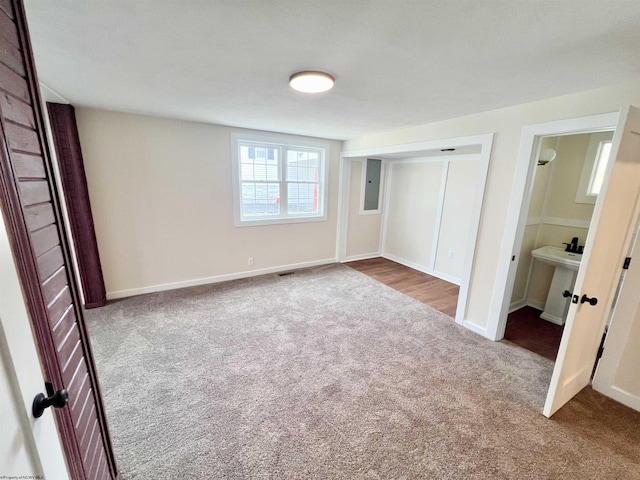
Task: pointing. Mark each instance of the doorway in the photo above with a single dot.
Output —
(528, 155)
(478, 146)
(567, 178)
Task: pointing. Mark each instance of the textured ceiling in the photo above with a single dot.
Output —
(397, 63)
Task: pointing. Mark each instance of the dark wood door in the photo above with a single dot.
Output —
(31, 208)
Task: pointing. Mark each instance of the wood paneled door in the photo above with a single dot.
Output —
(31, 208)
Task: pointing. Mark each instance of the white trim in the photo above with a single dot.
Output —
(437, 159)
(217, 279)
(446, 277)
(517, 305)
(385, 211)
(418, 146)
(566, 222)
(438, 221)
(281, 141)
(537, 304)
(549, 317)
(519, 206)
(559, 221)
(474, 222)
(591, 161)
(60, 98)
(364, 256)
(421, 268)
(475, 328)
(486, 143)
(343, 208)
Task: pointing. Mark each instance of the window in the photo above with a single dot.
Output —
(595, 166)
(278, 180)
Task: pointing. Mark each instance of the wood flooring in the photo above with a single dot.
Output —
(437, 293)
(526, 329)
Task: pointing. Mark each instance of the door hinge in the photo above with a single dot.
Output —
(625, 265)
(600, 352)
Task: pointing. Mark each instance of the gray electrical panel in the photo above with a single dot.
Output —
(372, 184)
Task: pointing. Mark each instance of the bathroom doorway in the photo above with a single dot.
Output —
(566, 181)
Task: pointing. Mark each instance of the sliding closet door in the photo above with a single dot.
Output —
(32, 212)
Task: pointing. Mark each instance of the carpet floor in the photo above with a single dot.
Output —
(329, 374)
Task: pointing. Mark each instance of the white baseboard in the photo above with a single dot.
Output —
(421, 268)
(216, 279)
(537, 304)
(517, 305)
(552, 318)
(475, 328)
(363, 256)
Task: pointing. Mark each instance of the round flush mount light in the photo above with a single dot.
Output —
(311, 82)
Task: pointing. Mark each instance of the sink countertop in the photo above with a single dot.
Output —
(557, 257)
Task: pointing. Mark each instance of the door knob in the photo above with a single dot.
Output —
(567, 294)
(592, 301)
(55, 399)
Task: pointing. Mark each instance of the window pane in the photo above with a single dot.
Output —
(303, 166)
(259, 164)
(302, 198)
(260, 199)
(599, 168)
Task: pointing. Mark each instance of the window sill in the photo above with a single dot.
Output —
(279, 221)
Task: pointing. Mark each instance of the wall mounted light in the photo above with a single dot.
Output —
(311, 82)
(546, 155)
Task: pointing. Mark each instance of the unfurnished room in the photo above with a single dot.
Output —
(367, 239)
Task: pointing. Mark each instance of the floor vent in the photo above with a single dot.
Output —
(285, 273)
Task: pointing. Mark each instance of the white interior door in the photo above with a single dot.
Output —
(606, 247)
(617, 373)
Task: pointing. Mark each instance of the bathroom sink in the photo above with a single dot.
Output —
(557, 257)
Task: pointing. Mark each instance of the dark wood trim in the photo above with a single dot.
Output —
(74, 183)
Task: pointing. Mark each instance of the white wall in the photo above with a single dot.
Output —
(414, 190)
(456, 216)
(507, 123)
(428, 215)
(363, 231)
(161, 196)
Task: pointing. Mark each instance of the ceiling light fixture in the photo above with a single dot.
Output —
(311, 82)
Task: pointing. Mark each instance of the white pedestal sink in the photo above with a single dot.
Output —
(564, 277)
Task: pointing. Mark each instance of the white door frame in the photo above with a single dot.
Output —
(519, 206)
(486, 142)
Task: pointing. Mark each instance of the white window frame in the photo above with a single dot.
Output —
(282, 142)
(591, 162)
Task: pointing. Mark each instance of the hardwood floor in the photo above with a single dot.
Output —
(526, 329)
(436, 293)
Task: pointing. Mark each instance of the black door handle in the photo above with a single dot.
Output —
(567, 294)
(55, 399)
(592, 301)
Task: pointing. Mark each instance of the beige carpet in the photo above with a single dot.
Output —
(329, 374)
